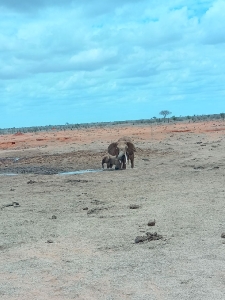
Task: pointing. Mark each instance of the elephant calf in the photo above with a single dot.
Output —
(110, 161)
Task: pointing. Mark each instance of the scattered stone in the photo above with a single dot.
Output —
(151, 223)
(11, 190)
(96, 210)
(223, 235)
(92, 211)
(199, 168)
(49, 241)
(85, 208)
(31, 182)
(134, 206)
(145, 159)
(14, 204)
(140, 239)
(149, 237)
(152, 234)
(76, 180)
(97, 202)
(54, 217)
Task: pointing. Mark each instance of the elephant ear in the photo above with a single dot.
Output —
(131, 147)
(112, 149)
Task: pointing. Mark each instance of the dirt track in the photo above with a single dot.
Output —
(72, 237)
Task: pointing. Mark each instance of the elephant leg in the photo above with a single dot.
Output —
(128, 158)
(131, 157)
(124, 165)
(105, 160)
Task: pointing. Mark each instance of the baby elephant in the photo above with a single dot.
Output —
(110, 161)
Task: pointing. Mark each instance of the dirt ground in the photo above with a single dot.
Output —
(73, 236)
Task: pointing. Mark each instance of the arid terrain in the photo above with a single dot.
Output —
(72, 236)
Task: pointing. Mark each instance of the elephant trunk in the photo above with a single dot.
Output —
(120, 155)
(123, 158)
(117, 164)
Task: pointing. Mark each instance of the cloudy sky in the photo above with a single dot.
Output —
(91, 61)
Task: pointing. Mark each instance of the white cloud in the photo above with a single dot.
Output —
(73, 52)
(93, 59)
(213, 24)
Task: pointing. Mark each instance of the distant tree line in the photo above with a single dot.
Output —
(77, 126)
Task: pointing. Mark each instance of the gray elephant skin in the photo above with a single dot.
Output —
(124, 147)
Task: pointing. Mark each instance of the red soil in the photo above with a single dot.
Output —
(144, 132)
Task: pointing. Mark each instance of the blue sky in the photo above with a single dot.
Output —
(91, 61)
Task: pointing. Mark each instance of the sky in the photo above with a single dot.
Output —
(75, 61)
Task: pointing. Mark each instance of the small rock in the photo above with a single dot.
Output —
(151, 223)
(49, 241)
(149, 237)
(96, 210)
(54, 217)
(134, 206)
(31, 182)
(223, 235)
(140, 239)
(85, 208)
(97, 202)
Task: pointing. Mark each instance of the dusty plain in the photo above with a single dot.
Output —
(73, 236)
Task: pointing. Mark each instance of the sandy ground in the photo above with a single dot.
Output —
(73, 236)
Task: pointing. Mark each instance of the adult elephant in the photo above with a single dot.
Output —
(123, 147)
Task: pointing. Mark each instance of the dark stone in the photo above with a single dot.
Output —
(140, 239)
(96, 210)
(31, 182)
(134, 206)
(199, 168)
(151, 223)
(49, 241)
(149, 237)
